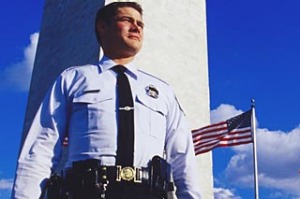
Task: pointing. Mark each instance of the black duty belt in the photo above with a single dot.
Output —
(114, 173)
(89, 176)
(110, 173)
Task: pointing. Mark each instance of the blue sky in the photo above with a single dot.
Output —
(253, 50)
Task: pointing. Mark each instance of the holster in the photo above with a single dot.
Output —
(55, 187)
(160, 177)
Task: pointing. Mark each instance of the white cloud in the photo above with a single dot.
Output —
(220, 193)
(223, 112)
(17, 76)
(6, 184)
(278, 159)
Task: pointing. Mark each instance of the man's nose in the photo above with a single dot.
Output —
(135, 27)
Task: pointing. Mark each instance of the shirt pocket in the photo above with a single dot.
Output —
(94, 109)
(152, 116)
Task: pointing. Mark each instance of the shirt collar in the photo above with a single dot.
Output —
(106, 63)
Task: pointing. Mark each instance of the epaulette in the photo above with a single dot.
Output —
(150, 75)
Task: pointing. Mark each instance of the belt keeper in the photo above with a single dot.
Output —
(118, 177)
(137, 176)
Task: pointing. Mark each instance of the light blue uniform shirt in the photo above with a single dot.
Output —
(82, 104)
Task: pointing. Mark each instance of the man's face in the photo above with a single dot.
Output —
(123, 37)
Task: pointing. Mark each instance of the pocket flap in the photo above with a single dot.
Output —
(156, 105)
(92, 96)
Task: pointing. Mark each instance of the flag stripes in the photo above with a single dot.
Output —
(232, 132)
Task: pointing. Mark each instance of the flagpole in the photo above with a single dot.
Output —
(253, 128)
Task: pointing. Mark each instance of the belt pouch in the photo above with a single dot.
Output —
(54, 187)
(84, 178)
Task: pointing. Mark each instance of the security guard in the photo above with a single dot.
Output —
(83, 104)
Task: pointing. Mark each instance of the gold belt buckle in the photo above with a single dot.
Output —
(127, 174)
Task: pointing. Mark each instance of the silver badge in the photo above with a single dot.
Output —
(152, 91)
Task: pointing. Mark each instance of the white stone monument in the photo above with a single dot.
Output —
(175, 49)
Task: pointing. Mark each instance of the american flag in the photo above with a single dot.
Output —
(232, 132)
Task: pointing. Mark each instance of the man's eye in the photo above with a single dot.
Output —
(125, 19)
(131, 20)
(141, 24)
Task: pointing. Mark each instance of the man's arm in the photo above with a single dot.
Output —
(42, 147)
(180, 154)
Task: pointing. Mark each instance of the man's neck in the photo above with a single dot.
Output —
(123, 61)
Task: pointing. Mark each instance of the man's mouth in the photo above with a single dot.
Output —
(135, 37)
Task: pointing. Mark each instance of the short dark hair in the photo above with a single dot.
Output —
(107, 12)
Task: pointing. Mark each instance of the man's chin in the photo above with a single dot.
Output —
(134, 48)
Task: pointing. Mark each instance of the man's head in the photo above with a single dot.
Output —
(119, 29)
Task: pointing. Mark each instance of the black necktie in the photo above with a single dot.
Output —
(125, 119)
